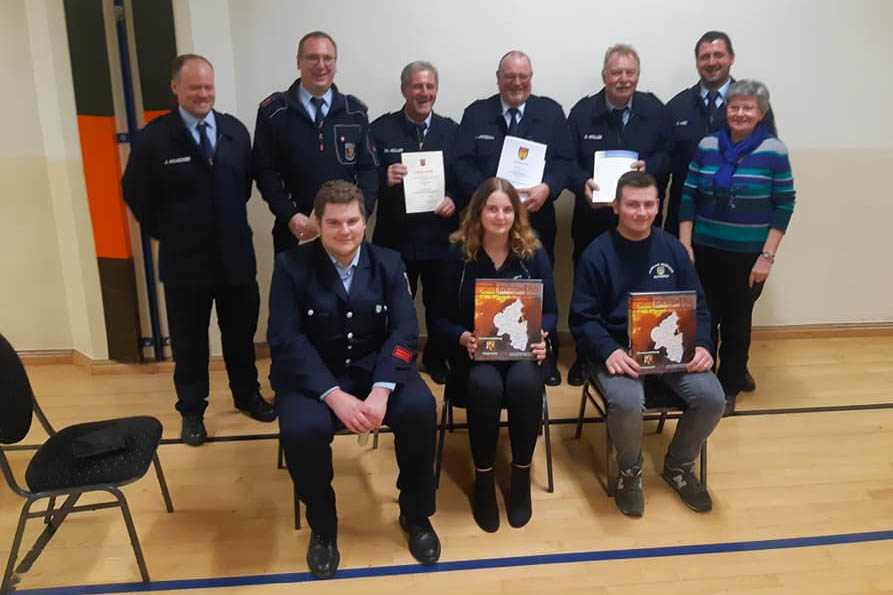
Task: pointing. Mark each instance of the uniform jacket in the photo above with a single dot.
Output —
(292, 158)
(195, 209)
(417, 236)
(688, 116)
(479, 144)
(647, 132)
(318, 334)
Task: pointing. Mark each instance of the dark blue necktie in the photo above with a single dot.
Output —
(711, 107)
(204, 143)
(617, 119)
(420, 132)
(318, 102)
(513, 121)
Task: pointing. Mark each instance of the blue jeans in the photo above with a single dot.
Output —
(625, 397)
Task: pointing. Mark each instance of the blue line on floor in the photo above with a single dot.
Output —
(596, 556)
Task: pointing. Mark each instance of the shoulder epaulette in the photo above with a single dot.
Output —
(273, 103)
(354, 103)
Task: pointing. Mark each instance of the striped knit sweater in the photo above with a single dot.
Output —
(762, 197)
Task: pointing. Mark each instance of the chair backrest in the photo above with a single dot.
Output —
(16, 396)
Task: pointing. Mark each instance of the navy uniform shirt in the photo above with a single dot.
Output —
(292, 157)
(417, 236)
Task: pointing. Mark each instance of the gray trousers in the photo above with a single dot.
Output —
(625, 396)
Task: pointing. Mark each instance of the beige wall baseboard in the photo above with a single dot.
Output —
(799, 331)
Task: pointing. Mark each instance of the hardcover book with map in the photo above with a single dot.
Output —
(508, 315)
(662, 330)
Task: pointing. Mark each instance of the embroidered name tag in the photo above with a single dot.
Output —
(593, 136)
(485, 137)
(175, 160)
(393, 149)
(681, 122)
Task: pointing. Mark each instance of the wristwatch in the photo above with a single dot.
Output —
(770, 256)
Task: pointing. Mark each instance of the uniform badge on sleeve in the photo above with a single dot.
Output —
(402, 353)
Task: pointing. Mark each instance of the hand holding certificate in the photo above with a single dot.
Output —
(424, 185)
(607, 168)
(522, 162)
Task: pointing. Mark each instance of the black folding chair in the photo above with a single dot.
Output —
(90, 457)
(661, 403)
(446, 423)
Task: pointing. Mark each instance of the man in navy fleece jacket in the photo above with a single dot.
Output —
(638, 257)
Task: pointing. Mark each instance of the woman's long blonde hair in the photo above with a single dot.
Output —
(522, 238)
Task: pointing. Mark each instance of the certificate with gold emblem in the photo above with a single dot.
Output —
(522, 162)
(424, 185)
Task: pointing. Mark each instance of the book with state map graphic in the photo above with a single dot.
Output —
(662, 330)
(508, 316)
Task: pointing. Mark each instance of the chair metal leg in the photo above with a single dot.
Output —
(610, 480)
(548, 437)
(704, 464)
(51, 505)
(16, 544)
(168, 505)
(450, 415)
(579, 431)
(660, 422)
(52, 524)
(280, 464)
(131, 530)
(375, 439)
(441, 438)
(297, 509)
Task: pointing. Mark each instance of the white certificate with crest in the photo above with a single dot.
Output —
(425, 183)
(522, 162)
(607, 168)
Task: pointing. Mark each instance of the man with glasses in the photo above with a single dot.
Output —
(514, 111)
(306, 135)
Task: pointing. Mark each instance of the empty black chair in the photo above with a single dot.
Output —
(90, 457)
(660, 401)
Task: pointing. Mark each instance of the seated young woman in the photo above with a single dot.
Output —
(494, 241)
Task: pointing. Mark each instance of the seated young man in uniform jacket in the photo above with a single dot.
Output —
(421, 238)
(343, 335)
(187, 181)
(306, 135)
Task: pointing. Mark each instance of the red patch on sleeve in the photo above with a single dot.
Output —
(402, 353)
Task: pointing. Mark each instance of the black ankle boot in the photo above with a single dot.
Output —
(484, 508)
(519, 508)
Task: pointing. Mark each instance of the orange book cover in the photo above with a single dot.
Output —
(662, 330)
(508, 316)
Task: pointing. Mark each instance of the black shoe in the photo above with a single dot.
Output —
(730, 405)
(424, 544)
(683, 480)
(322, 556)
(257, 408)
(483, 506)
(436, 369)
(575, 374)
(747, 383)
(628, 494)
(519, 507)
(551, 375)
(193, 432)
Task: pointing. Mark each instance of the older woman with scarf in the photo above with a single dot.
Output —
(735, 208)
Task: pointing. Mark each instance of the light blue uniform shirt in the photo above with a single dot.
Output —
(505, 112)
(192, 126)
(304, 97)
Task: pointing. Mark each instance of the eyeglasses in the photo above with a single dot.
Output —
(523, 78)
(316, 58)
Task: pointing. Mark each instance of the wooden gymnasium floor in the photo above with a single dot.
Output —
(802, 482)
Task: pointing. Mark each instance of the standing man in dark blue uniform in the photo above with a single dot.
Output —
(516, 112)
(698, 111)
(187, 181)
(343, 336)
(306, 135)
(421, 238)
(617, 117)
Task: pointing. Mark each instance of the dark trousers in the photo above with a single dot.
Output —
(671, 223)
(724, 277)
(307, 427)
(516, 386)
(429, 272)
(188, 316)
